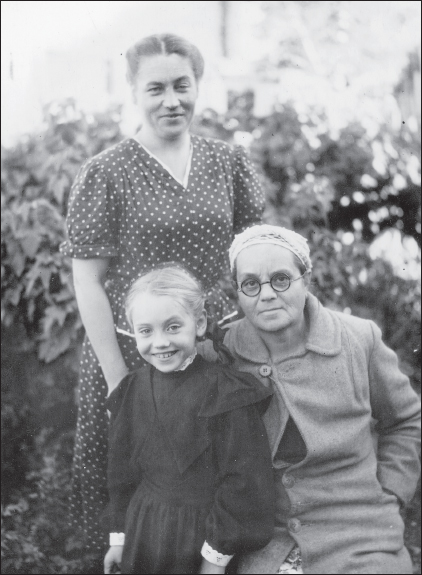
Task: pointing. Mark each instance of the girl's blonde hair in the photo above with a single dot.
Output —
(172, 280)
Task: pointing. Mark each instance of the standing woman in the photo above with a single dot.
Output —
(162, 195)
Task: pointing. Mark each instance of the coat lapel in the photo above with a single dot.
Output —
(324, 338)
(324, 328)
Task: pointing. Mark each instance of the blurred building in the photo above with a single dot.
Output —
(408, 89)
(56, 50)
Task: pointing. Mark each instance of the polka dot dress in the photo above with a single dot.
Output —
(126, 206)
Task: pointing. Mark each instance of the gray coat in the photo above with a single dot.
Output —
(340, 504)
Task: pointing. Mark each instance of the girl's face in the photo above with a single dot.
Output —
(165, 331)
(272, 311)
(165, 92)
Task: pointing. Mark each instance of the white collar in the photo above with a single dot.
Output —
(187, 362)
(184, 181)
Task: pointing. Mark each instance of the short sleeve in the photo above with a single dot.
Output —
(93, 218)
(248, 192)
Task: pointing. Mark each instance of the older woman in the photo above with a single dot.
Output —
(158, 196)
(338, 496)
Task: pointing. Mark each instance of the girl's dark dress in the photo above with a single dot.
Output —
(188, 462)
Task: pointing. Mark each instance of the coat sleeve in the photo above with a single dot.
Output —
(396, 408)
(242, 516)
(121, 477)
(248, 193)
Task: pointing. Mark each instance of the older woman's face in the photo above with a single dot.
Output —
(270, 310)
(165, 92)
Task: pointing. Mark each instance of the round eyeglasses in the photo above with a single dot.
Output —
(279, 282)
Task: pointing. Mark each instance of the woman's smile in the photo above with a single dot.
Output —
(173, 119)
(173, 115)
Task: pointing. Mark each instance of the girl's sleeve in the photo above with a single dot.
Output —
(242, 516)
(121, 477)
(248, 193)
(93, 219)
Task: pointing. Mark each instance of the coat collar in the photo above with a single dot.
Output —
(324, 336)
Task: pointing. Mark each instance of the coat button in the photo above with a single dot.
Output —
(288, 481)
(265, 370)
(294, 525)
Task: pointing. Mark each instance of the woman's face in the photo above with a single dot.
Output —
(272, 311)
(165, 92)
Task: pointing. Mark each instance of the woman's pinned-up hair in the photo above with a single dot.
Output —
(171, 280)
(163, 44)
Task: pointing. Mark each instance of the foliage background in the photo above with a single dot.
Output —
(340, 190)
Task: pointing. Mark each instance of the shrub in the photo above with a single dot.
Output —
(320, 184)
(36, 537)
(41, 336)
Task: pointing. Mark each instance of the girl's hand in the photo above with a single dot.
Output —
(207, 567)
(113, 559)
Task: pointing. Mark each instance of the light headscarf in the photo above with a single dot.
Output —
(266, 234)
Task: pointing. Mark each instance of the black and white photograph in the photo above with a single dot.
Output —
(211, 287)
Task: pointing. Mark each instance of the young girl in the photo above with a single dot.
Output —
(190, 475)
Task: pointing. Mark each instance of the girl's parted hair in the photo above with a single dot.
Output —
(172, 280)
(163, 44)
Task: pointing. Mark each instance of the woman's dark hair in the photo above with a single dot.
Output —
(163, 44)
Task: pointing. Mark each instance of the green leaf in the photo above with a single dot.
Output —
(50, 349)
(53, 315)
(13, 296)
(18, 262)
(30, 243)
